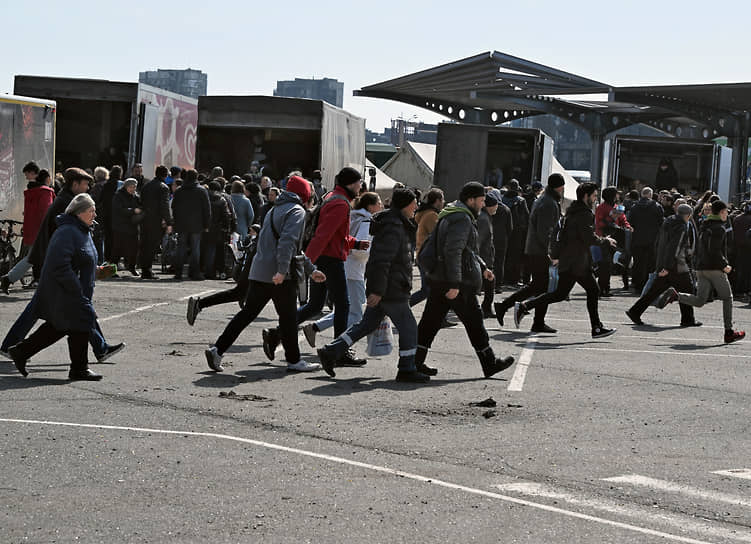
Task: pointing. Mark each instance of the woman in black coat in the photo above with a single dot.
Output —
(66, 289)
(126, 215)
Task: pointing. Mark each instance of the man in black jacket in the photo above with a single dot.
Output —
(520, 220)
(155, 204)
(456, 280)
(389, 283)
(712, 269)
(487, 250)
(546, 212)
(104, 209)
(570, 252)
(645, 217)
(674, 252)
(502, 227)
(192, 212)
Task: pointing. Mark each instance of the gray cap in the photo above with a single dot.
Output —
(684, 209)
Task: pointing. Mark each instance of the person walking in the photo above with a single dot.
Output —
(570, 252)
(546, 212)
(487, 250)
(389, 282)
(192, 215)
(645, 217)
(327, 250)
(278, 243)
(503, 225)
(456, 280)
(675, 250)
(518, 235)
(65, 293)
(712, 270)
(127, 214)
(157, 218)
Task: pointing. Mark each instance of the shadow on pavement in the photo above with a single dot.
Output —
(337, 387)
(10, 383)
(695, 347)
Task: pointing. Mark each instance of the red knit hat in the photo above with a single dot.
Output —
(299, 186)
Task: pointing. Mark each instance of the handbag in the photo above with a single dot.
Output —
(296, 267)
(381, 341)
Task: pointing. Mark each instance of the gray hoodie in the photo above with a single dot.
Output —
(275, 255)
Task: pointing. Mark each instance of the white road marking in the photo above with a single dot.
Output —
(641, 513)
(743, 473)
(150, 306)
(675, 353)
(520, 372)
(377, 468)
(671, 487)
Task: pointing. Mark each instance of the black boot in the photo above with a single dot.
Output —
(422, 368)
(19, 359)
(500, 310)
(271, 341)
(491, 365)
(80, 371)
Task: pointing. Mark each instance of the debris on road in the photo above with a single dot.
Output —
(487, 403)
(489, 414)
(234, 396)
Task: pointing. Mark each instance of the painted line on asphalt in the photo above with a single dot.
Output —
(151, 306)
(743, 473)
(671, 487)
(520, 372)
(641, 513)
(375, 468)
(676, 352)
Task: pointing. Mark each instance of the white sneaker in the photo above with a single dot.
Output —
(214, 359)
(303, 366)
(310, 334)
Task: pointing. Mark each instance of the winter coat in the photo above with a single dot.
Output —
(712, 251)
(274, 253)
(426, 220)
(243, 213)
(519, 214)
(485, 234)
(359, 227)
(674, 246)
(191, 208)
(123, 210)
(231, 209)
(741, 226)
(575, 239)
(389, 269)
(104, 202)
(458, 246)
(66, 285)
(332, 236)
(48, 226)
(545, 214)
(502, 227)
(646, 218)
(221, 218)
(37, 198)
(155, 202)
(263, 212)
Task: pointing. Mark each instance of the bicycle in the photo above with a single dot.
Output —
(8, 254)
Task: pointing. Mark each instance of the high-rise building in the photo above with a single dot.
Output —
(188, 82)
(326, 89)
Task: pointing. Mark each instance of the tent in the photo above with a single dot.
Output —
(413, 165)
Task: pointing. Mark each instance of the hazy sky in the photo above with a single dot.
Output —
(245, 47)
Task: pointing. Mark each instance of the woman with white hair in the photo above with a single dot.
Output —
(66, 289)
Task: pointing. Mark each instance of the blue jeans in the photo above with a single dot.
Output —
(356, 291)
(400, 314)
(19, 270)
(185, 240)
(26, 322)
(336, 286)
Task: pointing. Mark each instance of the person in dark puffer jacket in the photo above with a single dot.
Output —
(457, 279)
(389, 283)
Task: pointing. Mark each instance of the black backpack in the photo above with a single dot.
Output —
(312, 217)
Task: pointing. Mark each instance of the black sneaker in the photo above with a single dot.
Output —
(519, 312)
(411, 376)
(487, 313)
(543, 328)
(349, 359)
(496, 366)
(422, 368)
(5, 285)
(633, 317)
(602, 332)
(194, 309)
(500, 311)
(270, 342)
(84, 375)
(669, 296)
(693, 323)
(327, 361)
(111, 350)
(446, 324)
(19, 360)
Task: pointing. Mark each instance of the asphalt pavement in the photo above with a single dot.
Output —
(639, 437)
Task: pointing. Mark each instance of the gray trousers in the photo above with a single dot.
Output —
(708, 279)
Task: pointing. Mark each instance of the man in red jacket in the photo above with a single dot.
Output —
(328, 249)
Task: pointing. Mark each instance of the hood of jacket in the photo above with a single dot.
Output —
(457, 207)
(287, 197)
(68, 219)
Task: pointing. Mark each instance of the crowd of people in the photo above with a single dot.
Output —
(345, 247)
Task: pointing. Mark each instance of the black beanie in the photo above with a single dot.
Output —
(347, 176)
(718, 206)
(402, 197)
(556, 180)
(473, 189)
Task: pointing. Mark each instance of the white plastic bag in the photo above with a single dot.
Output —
(381, 341)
